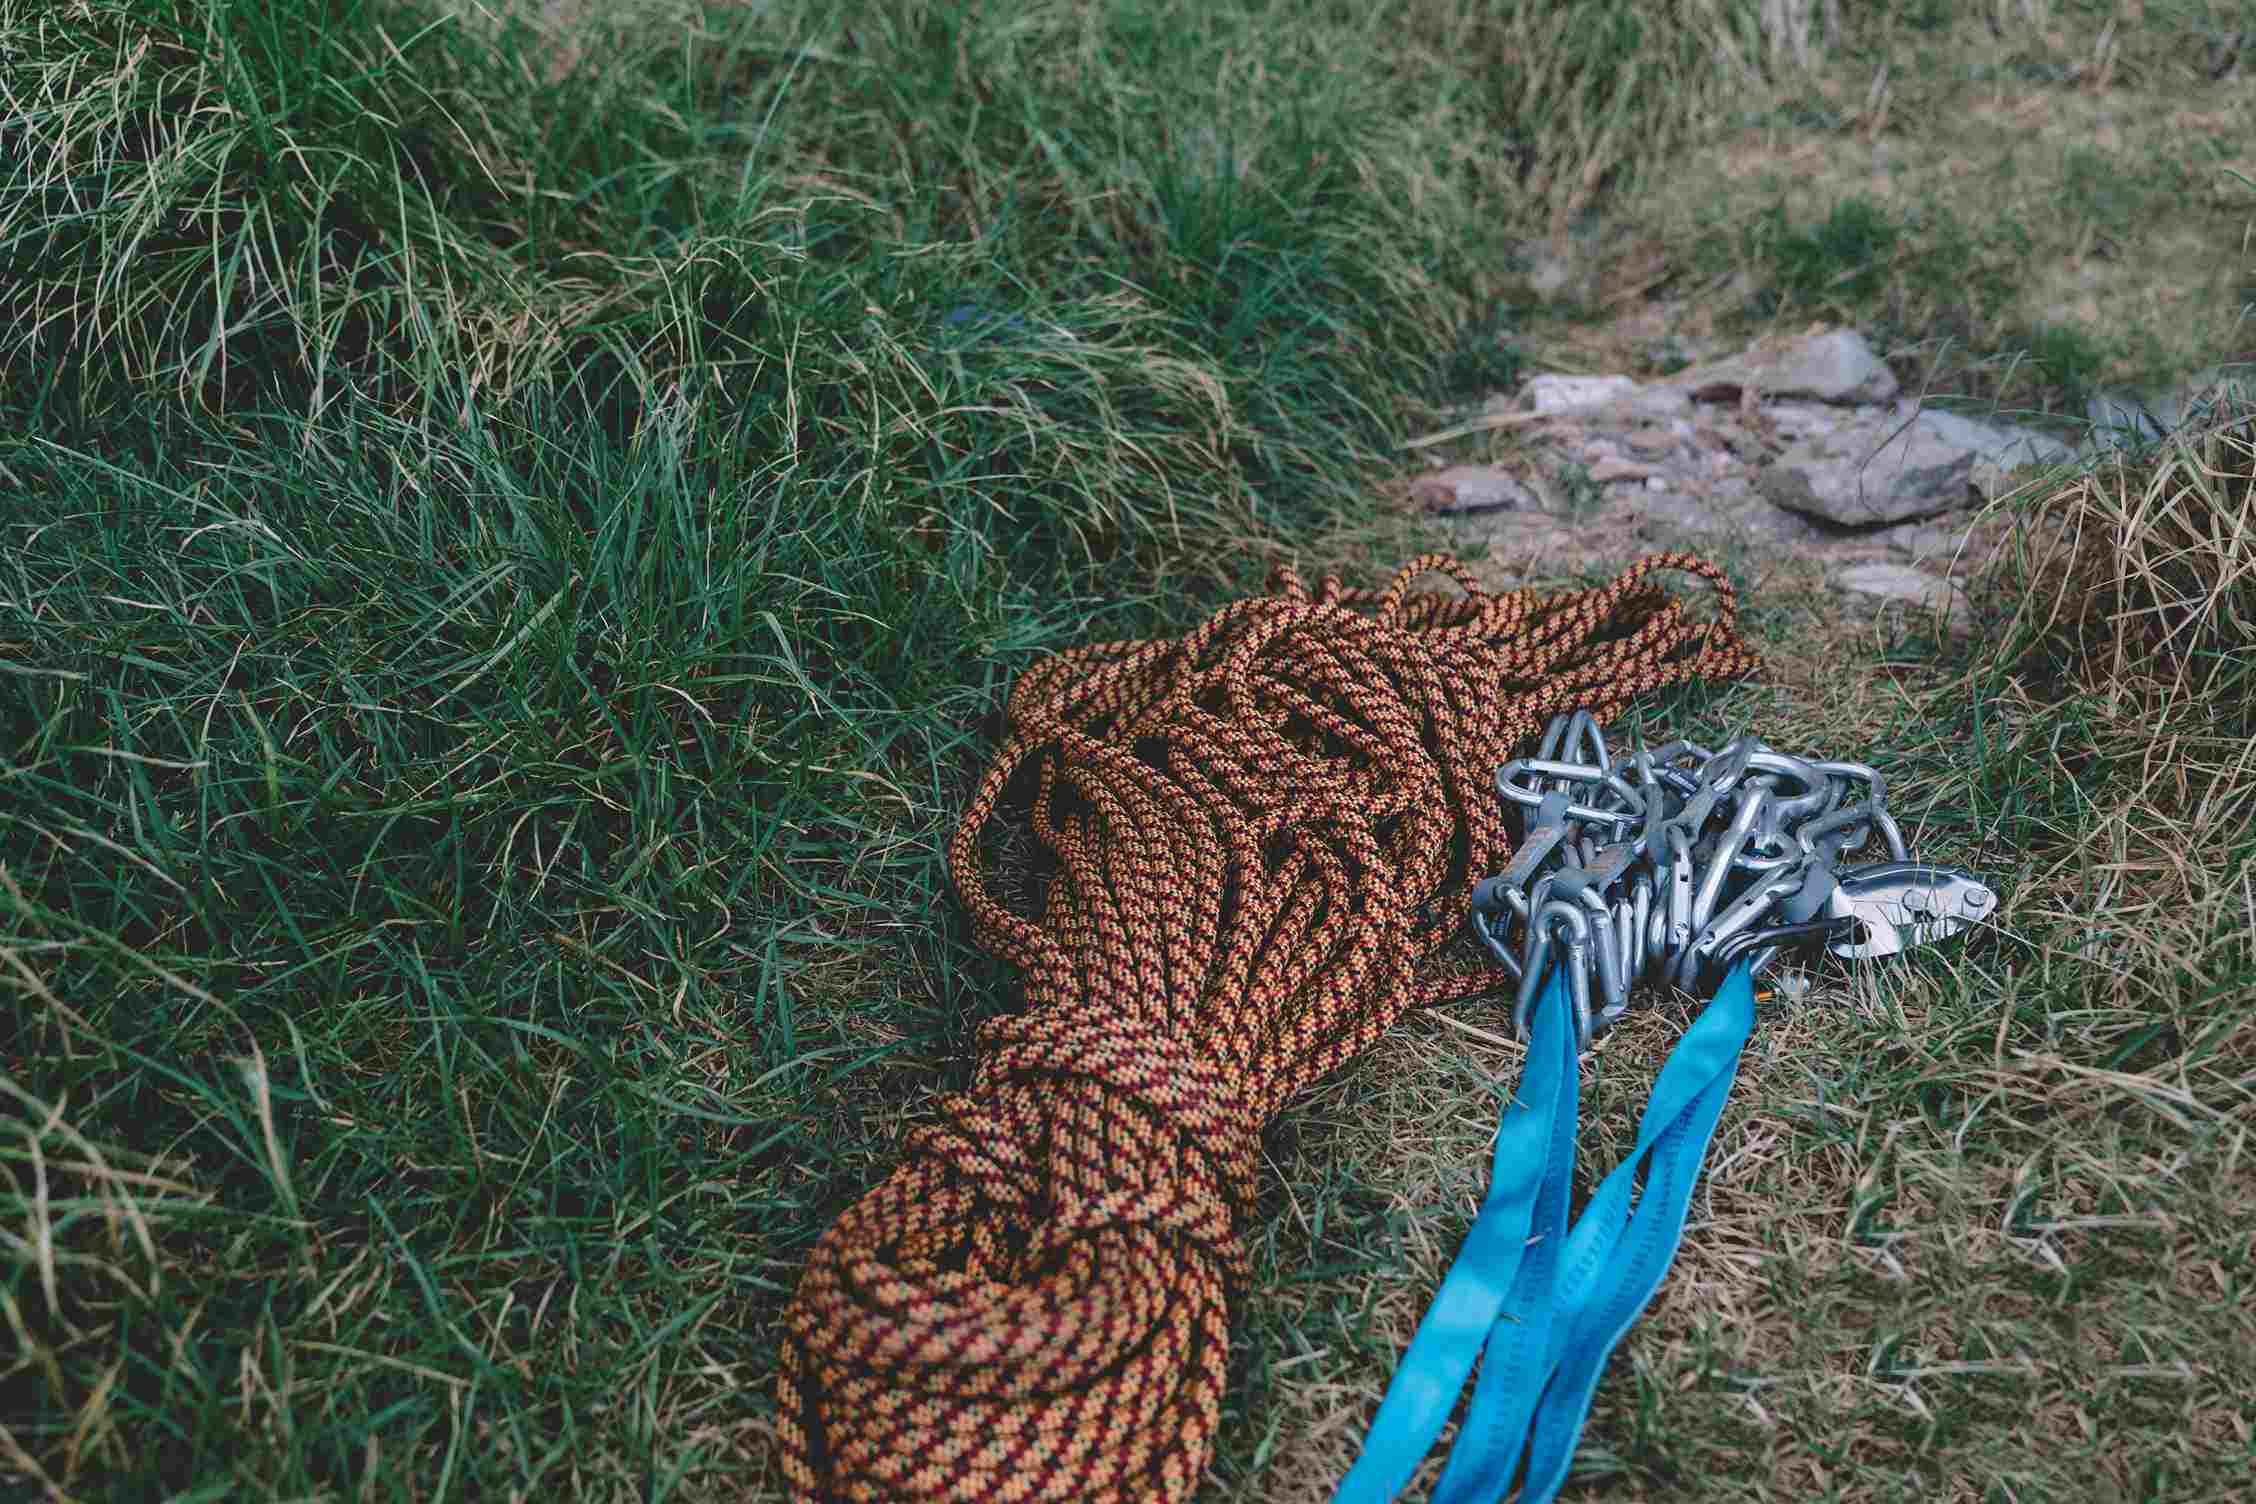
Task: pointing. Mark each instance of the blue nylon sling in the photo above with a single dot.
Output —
(1540, 1306)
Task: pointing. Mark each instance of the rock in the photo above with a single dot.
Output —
(1566, 394)
(1814, 442)
(2124, 419)
(1658, 403)
(1555, 273)
(1556, 278)
(1871, 470)
(1898, 464)
(1617, 469)
(1998, 451)
(2221, 394)
(1837, 366)
(1900, 582)
(1466, 489)
(1609, 402)
(1924, 542)
(1799, 420)
(2009, 447)
(2237, 380)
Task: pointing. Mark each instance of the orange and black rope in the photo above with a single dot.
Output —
(1260, 831)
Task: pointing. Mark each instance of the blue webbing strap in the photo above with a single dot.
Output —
(1529, 1183)
(1544, 1312)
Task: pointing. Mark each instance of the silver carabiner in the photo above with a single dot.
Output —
(1750, 906)
(1752, 802)
(1557, 913)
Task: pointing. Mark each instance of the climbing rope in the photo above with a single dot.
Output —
(1257, 833)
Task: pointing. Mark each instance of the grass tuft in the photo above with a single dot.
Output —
(2136, 580)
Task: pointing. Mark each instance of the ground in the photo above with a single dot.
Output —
(524, 519)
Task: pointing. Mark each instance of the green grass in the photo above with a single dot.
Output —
(2019, 205)
(1936, 292)
(520, 523)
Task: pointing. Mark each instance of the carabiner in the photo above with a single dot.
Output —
(1554, 914)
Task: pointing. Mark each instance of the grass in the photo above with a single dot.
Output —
(2019, 204)
(522, 519)
(519, 523)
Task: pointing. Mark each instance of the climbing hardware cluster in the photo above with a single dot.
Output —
(1672, 863)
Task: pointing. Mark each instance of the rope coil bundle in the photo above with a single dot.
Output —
(1260, 829)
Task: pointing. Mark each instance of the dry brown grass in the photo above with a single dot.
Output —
(2139, 578)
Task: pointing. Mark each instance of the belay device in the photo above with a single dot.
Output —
(1684, 865)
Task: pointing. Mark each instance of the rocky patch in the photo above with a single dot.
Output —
(1800, 444)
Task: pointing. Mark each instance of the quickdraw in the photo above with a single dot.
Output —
(1683, 865)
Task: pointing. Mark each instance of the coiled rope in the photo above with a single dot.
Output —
(1260, 830)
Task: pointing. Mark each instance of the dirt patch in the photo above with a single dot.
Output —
(2027, 192)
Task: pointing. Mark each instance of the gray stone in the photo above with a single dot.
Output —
(1555, 272)
(1463, 489)
(1999, 451)
(1837, 366)
(1652, 404)
(1873, 469)
(2205, 392)
(1566, 394)
(1613, 469)
(1557, 278)
(2125, 419)
(1802, 462)
(2237, 380)
(1897, 465)
(1798, 420)
(1901, 582)
(2010, 448)
(1925, 542)
(2128, 418)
